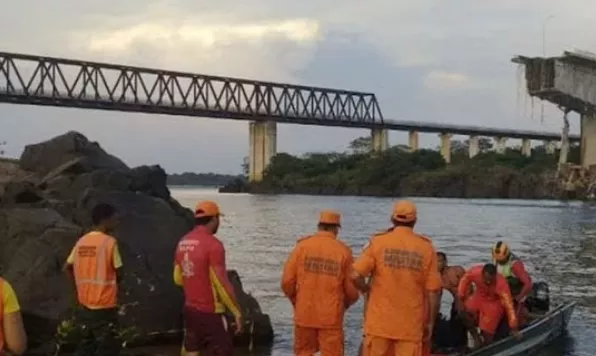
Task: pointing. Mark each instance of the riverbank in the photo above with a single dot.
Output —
(423, 173)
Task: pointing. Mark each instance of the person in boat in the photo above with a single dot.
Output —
(403, 293)
(489, 302)
(450, 278)
(13, 339)
(316, 280)
(514, 271)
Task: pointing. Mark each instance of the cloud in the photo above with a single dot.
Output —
(420, 58)
(438, 79)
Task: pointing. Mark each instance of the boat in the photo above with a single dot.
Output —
(541, 331)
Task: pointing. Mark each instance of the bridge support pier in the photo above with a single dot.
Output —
(588, 141)
(262, 147)
(473, 146)
(550, 147)
(413, 140)
(501, 144)
(380, 140)
(446, 146)
(526, 147)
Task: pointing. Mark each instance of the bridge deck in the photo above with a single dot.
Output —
(38, 80)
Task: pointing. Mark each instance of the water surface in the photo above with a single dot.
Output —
(556, 240)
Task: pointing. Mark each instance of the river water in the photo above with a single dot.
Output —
(557, 241)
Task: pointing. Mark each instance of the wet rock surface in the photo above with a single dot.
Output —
(45, 206)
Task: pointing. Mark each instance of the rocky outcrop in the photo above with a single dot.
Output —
(45, 206)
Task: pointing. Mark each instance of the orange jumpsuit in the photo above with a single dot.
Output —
(316, 279)
(403, 266)
(488, 303)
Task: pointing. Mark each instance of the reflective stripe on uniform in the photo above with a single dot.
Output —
(101, 266)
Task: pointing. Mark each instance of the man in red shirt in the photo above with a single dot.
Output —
(200, 268)
(489, 302)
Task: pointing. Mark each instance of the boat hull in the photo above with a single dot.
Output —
(533, 337)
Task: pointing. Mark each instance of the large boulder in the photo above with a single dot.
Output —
(43, 215)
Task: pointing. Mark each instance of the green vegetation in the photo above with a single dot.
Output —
(398, 172)
(201, 179)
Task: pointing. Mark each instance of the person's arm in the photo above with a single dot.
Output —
(363, 267)
(520, 272)
(219, 276)
(458, 272)
(350, 291)
(117, 262)
(504, 294)
(68, 269)
(433, 289)
(289, 276)
(178, 280)
(12, 324)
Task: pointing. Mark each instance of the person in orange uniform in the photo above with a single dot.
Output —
(200, 269)
(13, 338)
(94, 266)
(489, 302)
(404, 291)
(316, 280)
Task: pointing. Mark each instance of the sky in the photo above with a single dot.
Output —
(426, 60)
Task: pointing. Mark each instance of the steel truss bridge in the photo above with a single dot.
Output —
(49, 81)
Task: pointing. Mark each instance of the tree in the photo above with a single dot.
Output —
(361, 144)
(2, 145)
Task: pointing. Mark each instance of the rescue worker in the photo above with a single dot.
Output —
(403, 293)
(94, 266)
(489, 302)
(514, 271)
(450, 277)
(316, 280)
(13, 339)
(200, 269)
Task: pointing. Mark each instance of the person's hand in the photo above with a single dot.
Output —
(515, 333)
(428, 332)
(239, 322)
(459, 305)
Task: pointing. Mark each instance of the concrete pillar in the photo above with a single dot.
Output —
(413, 140)
(380, 140)
(446, 146)
(501, 144)
(262, 147)
(526, 147)
(550, 147)
(473, 146)
(588, 141)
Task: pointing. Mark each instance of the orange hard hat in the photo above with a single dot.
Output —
(207, 208)
(500, 251)
(330, 217)
(404, 211)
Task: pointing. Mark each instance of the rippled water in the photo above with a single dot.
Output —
(556, 240)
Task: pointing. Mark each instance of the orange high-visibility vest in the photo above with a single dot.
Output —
(94, 271)
(1, 315)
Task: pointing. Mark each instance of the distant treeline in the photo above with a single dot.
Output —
(204, 179)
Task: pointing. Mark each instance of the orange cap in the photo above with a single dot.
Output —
(330, 217)
(404, 211)
(207, 208)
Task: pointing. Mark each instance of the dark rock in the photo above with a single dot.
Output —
(20, 192)
(41, 220)
(42, 158)
(236, 186)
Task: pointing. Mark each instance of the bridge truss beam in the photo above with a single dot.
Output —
(38, 80)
